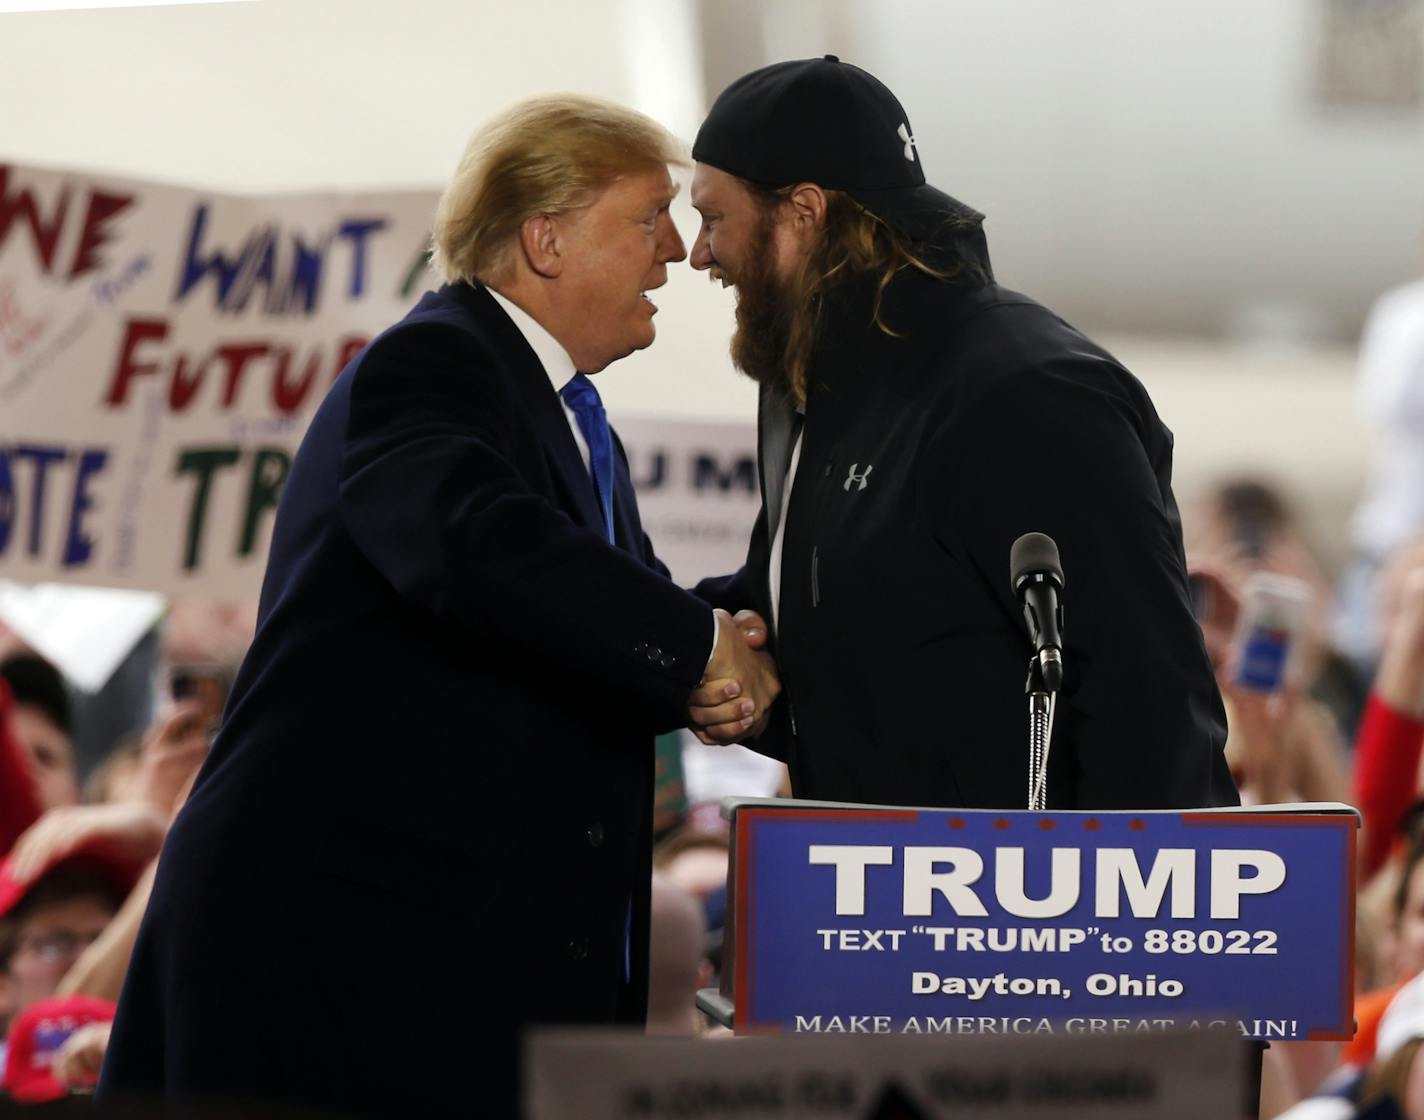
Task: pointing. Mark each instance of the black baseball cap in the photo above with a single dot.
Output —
(824, 121)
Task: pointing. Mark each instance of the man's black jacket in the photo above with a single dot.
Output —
(903, 652)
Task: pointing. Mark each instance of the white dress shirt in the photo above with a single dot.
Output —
(774, 574)
(553, 357)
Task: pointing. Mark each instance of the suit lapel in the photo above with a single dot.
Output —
(627, 527)
(571, 477)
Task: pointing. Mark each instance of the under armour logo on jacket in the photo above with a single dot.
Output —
(904, 134)
(860, 478)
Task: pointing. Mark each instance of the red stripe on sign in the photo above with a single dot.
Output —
(1273, 820)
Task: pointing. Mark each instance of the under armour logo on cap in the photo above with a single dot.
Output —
(904, 134)
(824, 121)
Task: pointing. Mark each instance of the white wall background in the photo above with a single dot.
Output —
(290, 94)
(1156, 166)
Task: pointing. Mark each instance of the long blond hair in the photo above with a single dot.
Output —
(546, 155)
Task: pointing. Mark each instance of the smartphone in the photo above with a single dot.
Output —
(207, 684)
(1274, 613)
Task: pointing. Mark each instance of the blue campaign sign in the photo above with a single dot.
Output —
(917, 921)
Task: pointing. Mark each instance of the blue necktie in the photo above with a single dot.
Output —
(582, 397)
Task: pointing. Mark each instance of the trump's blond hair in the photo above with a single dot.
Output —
(547, 155)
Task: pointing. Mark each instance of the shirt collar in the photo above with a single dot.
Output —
(552, 356)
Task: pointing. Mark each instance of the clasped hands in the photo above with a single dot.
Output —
(734, 700)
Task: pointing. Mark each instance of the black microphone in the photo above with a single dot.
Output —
(1037, 579)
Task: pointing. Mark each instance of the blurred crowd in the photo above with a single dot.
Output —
(80, 841)
(1342, 721)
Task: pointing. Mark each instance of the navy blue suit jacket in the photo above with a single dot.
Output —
(426, 818)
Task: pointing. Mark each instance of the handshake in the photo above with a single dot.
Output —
(734, 700)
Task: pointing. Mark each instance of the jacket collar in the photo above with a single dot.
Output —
(548, 349)
(545, 408)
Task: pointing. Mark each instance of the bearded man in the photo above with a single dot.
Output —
(915, 419)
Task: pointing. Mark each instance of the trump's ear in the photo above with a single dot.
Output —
(541, 244)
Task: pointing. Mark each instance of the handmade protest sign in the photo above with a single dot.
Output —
(163, 349)
(161, 353)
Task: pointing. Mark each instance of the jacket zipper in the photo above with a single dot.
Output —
(815, 512)
(815, 567)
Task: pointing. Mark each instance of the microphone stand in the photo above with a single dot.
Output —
(1042, 705)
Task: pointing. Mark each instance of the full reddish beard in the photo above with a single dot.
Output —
(764, 311)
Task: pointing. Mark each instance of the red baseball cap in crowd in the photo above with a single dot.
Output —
(35, 1038)
(112, 865)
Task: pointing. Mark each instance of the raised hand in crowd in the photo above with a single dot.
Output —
(100, 969)
(1391, 736)
(172, 752)
(135, 825)
(133, 831)
(79, 1058)
(1258, 744)
(1282, 748)
(734, 700)
(1218, 610)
